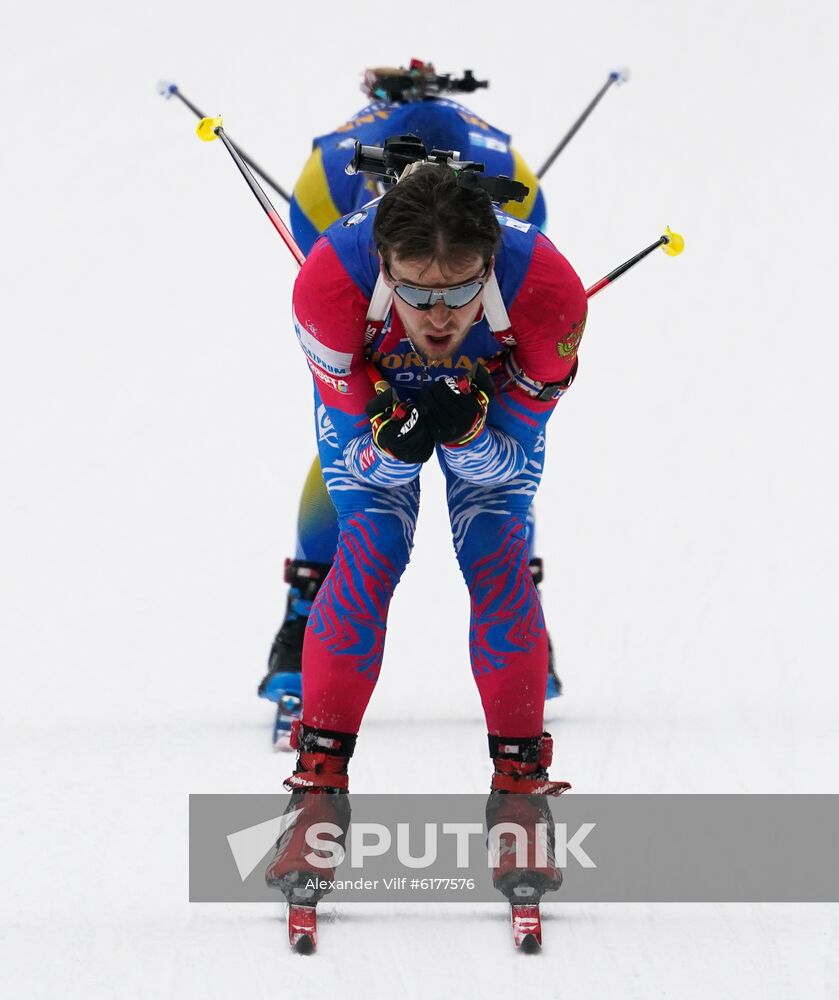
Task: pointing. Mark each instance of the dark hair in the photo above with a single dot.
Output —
(429, 216)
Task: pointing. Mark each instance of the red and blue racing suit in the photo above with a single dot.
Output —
(490, 482)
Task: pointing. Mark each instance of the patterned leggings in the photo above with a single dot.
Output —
(344, 643)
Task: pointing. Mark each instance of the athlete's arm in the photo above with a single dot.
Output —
(330, 317)
(547, 320)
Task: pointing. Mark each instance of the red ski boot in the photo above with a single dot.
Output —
(302, 872)
(521, 830)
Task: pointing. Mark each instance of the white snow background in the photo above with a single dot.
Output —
(156, 430)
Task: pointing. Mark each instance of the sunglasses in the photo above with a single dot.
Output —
(424, 299)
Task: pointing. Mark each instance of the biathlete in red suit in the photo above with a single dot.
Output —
(322, 195)
(431, 322)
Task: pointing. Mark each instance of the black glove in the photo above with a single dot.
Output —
(457, 407)
(400, 428)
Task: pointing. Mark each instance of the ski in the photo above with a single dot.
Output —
(302, 928)
(527, 926)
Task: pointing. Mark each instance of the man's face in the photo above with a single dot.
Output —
(437, 332)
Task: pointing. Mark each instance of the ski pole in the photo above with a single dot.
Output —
(211, 128)
(616, 76)
(671, 243)
(169, 90)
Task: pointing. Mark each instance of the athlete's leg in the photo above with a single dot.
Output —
(317, 538)
(508, 641)
(317, 522)
(344, 641)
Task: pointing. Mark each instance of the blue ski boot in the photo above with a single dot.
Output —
(554, 688)
(283, 682)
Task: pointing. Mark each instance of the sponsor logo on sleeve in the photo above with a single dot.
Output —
(330, 361)
(338, 384)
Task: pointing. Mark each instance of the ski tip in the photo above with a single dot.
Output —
(530, 944)
(304, 945)
(527, 927)
(302, 928)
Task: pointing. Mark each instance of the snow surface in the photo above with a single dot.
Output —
(156, 417)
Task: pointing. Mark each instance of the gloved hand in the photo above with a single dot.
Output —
(457, 407)
(400, 428)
